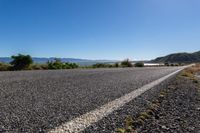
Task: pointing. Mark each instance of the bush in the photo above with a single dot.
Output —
(167, 64)
(126, 63)
(38, 67)
(5, 67)
(70, 65)
(35, 67)
(44, 66)
(139, 64)
(100, 65)
(116, 64)
(21, 62)
(57, 64)
(103, 65)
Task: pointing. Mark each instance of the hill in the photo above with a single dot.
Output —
(179, 58)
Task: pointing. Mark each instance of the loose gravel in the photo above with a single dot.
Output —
(117, 119)
(179, 112)
(36, 101)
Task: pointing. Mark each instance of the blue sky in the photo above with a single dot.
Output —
(99, 29)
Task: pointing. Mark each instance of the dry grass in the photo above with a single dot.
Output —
(190, 72)
(194, 69)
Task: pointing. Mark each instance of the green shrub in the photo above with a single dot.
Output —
(44, 66)
(139, 64)
(100, 65)
(5, 67)
(70, 65)
(57, 64)
(116, 64)
(21, 62)
(35, 67)
(126, 63)
(167, 64)
(73, 65)
(38, 67)
(111, 65)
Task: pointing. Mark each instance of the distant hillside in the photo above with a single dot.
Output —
(82, 62)
(179, 58)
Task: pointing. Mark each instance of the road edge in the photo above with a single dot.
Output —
(81, 123)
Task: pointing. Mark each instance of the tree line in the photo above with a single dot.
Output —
(25, 62)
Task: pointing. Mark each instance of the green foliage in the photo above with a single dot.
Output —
(21, 62)
(5, 67)
(70, 65)
(126, 63)
(105, 65)
(100, 65)
(167, 64)
(57, 64)
(139, 64)
(43, 66)
(116, 64)
(35, 67)
(38, 67)
(128, 126)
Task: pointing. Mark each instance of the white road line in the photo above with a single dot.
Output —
(80, 123)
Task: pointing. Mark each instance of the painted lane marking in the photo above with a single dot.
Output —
(80, 123)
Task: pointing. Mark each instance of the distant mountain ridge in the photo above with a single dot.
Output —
(179, 58)
(71, 60)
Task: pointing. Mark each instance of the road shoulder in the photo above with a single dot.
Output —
(173, 106)
(178, 109)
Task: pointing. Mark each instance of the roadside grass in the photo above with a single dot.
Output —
(191, 72)
(131, 124)
(5, 67)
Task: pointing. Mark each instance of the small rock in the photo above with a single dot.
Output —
(191, 128)
(164, 127)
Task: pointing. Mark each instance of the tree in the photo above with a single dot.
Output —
(21, 62)
(139, 64)
(126, 63)
(116, 64)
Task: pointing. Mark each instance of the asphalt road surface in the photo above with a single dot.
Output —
(37, 101)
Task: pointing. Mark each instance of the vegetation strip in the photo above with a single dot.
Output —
(25, 62)
(84, 121)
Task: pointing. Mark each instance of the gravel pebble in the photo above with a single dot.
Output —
(178, 111)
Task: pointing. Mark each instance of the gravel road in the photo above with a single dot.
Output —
(36, 101)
